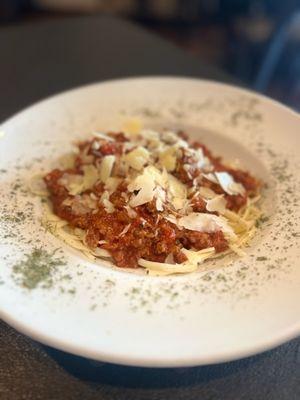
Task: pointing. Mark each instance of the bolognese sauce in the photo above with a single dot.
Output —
(105, 194)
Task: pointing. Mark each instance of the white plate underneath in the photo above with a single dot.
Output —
(243, 306)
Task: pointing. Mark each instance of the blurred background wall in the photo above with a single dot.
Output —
(257, 41)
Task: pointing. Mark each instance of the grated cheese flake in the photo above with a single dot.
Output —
(76, 184)
(169, 137)
(132, 126)
(125, 230)
(228, 184)
(108, 205)
(145, 183)
(216, 204)
(206, 193)
(103, 136)
(202, 222)
(106, 167)
(211, 177)
(168, 158)
(145, 186)
(112, 183)
(137, 158)
(90, 175)
(226, 181)
(201, 161)
(149, 134)
(177, 192)
(67, 161)
(130, 211)
(160, 196)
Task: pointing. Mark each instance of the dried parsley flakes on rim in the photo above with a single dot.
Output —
(37, 268)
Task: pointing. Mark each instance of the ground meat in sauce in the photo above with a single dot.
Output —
(198, 204)
(147, 235)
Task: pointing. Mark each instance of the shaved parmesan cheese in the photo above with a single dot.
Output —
(178, 203)
(160, 178)
(145, 185)
(67, 161)
(169, 137)
(132, 126)
(182, 143)
(176, 188)
(160, 195)
(108, 205)
(95, 145)
(152, 140)
(73, 183)
(168, 158)
(171, 218)
(112, 183)
(137, 158)
(76, 184)
(90, 175)
(206, 193)
(85, 157)
(165, 177)
(125, 230)
(129, 146)
(211, 177)
(130, 211)
(144, 196)
(103, 136)
(202, 222)
(149, 134)
(201, 160)
(228, 184)
(177, 192)
(155, 145)
(217, 204)
(198, 158)
(106, 167)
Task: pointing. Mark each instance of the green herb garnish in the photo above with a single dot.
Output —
(37, 268)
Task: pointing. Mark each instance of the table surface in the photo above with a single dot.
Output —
(51, 56)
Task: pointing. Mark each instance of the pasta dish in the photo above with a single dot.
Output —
(151, 199)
